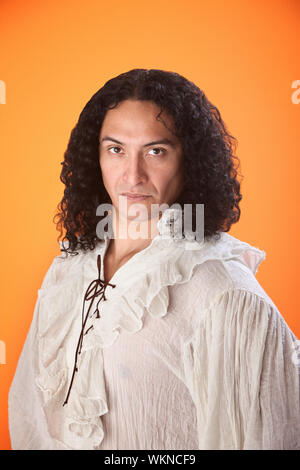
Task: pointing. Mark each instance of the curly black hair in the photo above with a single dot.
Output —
(210, 173)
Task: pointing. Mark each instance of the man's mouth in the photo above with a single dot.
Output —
(135, 196)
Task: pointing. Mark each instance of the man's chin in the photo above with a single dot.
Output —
(135, 218)
(136, 211)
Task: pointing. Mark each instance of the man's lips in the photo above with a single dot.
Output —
(135, 195)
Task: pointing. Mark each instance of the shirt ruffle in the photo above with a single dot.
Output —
(142, 286)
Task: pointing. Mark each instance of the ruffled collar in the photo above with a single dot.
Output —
(142, 287)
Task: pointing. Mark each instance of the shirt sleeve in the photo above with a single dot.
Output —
(27, 422)
(246, 371)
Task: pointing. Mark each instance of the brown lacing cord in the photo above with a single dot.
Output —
(91, 293)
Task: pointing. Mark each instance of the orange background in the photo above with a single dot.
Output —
(56, 54)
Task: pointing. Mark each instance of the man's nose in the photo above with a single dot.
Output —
(134, 171)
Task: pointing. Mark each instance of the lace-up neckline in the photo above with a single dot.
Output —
(95, 289)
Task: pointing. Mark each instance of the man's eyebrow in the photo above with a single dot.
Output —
(155, 142)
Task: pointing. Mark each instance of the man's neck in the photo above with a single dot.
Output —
(131, 236)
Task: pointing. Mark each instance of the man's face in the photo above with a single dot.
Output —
(131, 162)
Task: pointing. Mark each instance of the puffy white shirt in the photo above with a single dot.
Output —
(189, 353)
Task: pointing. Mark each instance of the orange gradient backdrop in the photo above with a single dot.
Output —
(56, 54)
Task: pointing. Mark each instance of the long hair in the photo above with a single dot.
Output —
(210, 172)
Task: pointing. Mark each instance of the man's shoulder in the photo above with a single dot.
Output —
(223, 264)
(215, 277)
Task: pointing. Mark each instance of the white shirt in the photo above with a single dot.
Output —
(189, 353)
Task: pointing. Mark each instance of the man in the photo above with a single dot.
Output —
(130, 171)
(165, 341)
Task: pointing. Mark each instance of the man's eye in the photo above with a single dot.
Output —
(158, 148)
(115, 147)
